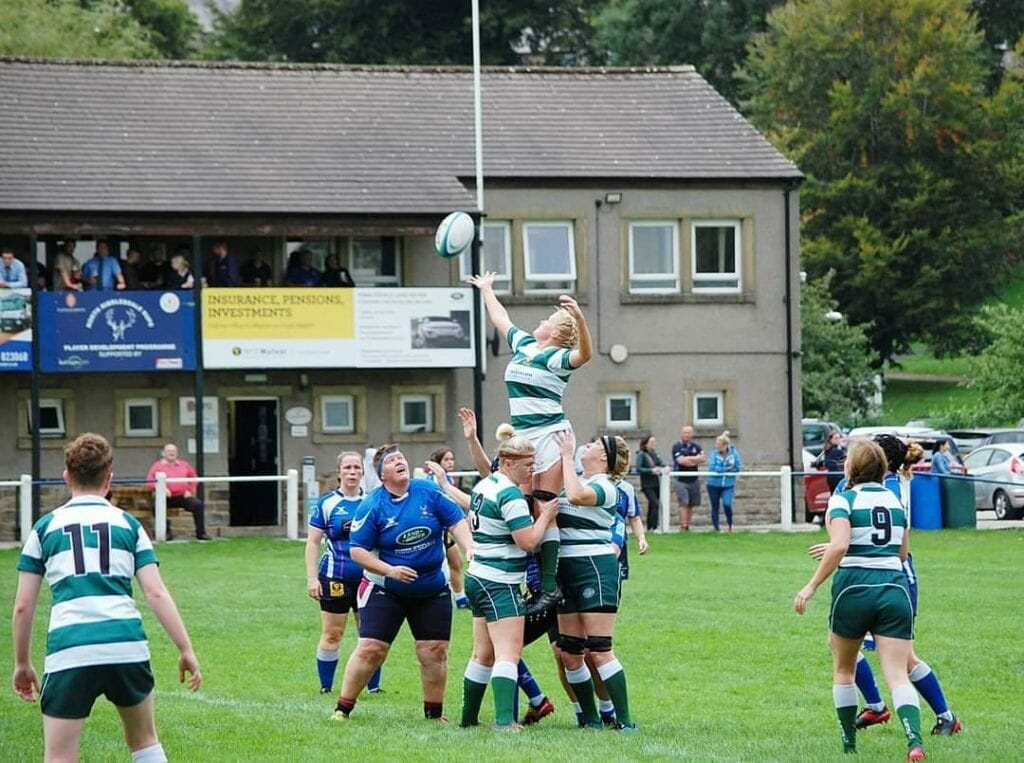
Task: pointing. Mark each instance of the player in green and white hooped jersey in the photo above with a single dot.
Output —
(503, 534)
(868, 540)
(588, 574)
(89, 550)
(536, 379)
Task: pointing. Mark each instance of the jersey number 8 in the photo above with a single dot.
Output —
(476, 503)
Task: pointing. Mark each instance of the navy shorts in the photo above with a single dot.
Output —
(338, 596)
(381, 614)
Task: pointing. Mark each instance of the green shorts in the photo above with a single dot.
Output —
(871, 600)
(494, 601)
(589, 583)
(71, 693)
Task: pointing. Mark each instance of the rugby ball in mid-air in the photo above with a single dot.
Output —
(454, 234)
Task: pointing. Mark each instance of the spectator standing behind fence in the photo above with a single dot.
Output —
(833, 456)
(102, 272)
(67, 275)
(12, 270)
(650, 467)
(180, 495)
(941, 459)
(335, 274)
(256, 271)
(724, 461)
(222, 269)
(180, 275)
(687, 456)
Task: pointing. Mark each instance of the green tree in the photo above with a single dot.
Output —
(837, 365)
(914, 174)
(712, 35)
(68, 29)
(995, 371)
(173, 28)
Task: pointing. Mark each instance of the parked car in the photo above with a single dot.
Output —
(816, 432)
(1000, 436)
(923, 436)
(969, 439)
(816, 492)
(999, 470)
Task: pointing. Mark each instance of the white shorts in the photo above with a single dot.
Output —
(546, 451)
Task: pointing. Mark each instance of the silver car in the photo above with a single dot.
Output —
(1000, 472)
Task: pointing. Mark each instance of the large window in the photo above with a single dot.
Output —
(417, 413)
(375, 261)
(549, 254)
(141, 417)
(653, 258)
(716, 256)
(620, 410)
(708, 409)
(496, 256)
(337, 414)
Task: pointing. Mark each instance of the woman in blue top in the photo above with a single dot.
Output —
(445, 458)
(725, 461)
(398, 538)
(940, 458)
(335, 579)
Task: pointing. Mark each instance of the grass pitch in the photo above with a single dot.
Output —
(719, 667)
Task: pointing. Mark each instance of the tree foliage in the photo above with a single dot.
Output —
(914, 174)
(995, 371)
(836, 369)
(173, 28)
(68, 29)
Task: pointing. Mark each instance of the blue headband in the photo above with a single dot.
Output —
(384, 457)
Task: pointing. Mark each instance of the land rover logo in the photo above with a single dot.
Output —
(457, 295)
(412, 536)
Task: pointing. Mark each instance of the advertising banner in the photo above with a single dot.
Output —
(337, 328)
(92, 331)
(15, 329)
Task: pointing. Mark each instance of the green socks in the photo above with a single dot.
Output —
(474, 686)
(583, 687)
(549, 564)
(503, 683)
(614, 678)
(908, 708)
(845, 698)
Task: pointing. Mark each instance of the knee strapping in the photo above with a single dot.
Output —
(599, 644)
(571, 644)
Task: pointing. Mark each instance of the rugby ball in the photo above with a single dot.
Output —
(454, 234)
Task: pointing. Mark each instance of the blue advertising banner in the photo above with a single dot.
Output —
(82, 332)
(15, 329)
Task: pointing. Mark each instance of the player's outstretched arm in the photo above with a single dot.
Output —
(585, 351)
(495, 310)
(166, 611)
(437, 471)
(25, 681)
(476, 448)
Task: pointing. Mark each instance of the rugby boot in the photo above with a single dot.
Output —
(868, 717)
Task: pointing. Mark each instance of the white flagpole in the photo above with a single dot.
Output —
(478, 113)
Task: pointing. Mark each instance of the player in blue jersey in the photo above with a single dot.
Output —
(628, 515)
(445, 458)
(398, 538)
(536, 379)
(334, 579)
(869, 532)
(89, 551)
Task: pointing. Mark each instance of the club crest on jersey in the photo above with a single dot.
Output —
(412, 536)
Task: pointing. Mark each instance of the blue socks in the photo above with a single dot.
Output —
(326, 666)
(927, 684)
(528, 683)
(373, 685)
(865, 679)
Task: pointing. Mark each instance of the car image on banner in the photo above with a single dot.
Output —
(15, 329)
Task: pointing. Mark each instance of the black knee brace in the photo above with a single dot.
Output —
(571, 644)
(599, 644)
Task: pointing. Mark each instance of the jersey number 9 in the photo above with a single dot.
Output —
(881, 520)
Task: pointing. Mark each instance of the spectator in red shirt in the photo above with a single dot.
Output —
(180, 495)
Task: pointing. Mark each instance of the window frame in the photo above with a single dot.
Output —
(359, 276)
(326, 400)
(634, 420)
(428, 406)
(570, 277)
(737, 226)
(503, 280)
(154, 406)
(632, 276)
(58, 432)
(719, 396)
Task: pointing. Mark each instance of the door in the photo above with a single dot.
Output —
(254, 451)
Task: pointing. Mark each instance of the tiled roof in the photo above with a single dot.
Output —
(200, 137)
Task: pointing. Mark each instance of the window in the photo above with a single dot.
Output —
(620, 410)
(653, 258)
(716, 256)
(375, 261)
(550, 258)
(708, 409)
(51, 417)
(337, 414)
(141, 417)
(417, 413)
(496, 256)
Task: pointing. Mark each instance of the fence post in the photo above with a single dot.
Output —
(25, 506)
(292, 504)
(665, 497)
(786, 497)
(160, 507)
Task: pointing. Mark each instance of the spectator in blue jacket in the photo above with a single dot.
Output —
(725, 461)
(941, 458)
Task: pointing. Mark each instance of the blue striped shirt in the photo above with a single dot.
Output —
(333, 515)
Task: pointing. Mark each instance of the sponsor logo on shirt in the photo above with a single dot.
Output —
(412, 536)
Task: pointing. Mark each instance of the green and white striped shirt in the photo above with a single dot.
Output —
(89, 551)
(587, 530)
(498, 509)
(535, 380)
(878, 522)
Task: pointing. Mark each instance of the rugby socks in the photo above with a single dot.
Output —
(345, 706)
(152, 754)
(927, 683)
(529, 684)
(907, 708)
(867, 685)
(434, 711)
(844, 696)
(474, 686)
(549, 560)
(326, 667)
(373, 685)
(503, 684)
(578, 711)
(614, 678)
(583, 687)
